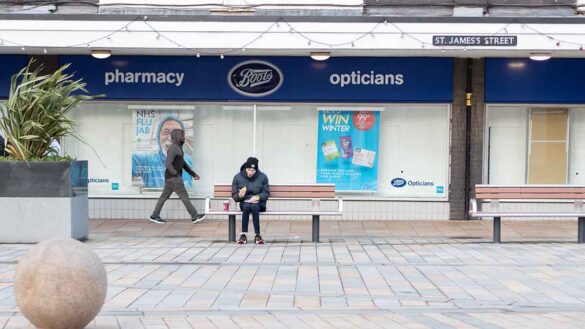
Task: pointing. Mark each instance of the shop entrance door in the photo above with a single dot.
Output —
(547, 153)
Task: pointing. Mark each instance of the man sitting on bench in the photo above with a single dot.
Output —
(250, 188)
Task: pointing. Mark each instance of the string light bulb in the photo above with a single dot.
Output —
(221, 56)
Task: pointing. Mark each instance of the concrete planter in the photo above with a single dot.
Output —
(44, 200)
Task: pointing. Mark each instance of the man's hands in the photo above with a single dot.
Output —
(196, 177)
(254, 199)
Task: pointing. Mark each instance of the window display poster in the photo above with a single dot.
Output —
(347, 154)
(152, 139)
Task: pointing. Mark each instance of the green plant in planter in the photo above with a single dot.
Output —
(36, 112)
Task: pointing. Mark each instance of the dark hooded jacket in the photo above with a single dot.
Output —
(2, 151)
(255, 185)
(175, 163)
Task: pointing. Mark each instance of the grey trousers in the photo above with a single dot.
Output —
(174, 184)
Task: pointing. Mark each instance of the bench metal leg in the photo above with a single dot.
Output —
(497, 226)
(232, 228)
(581, 235)
(315, 228)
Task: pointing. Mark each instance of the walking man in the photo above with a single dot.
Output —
(174, 165)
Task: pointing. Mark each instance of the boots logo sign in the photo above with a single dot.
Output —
(255, 78)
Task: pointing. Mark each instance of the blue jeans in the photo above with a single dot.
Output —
(253, 208)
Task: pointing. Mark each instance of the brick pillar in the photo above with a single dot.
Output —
(477, 123)
(457, 197)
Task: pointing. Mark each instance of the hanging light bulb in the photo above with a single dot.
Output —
(221, 56)
(198, 55)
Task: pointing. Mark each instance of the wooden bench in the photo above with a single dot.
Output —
(494, 194)
(314, 192)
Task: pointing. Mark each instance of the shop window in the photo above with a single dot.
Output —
(547, 155)
(577, 147)
(534, 145)
(283, 136)
(505, 160)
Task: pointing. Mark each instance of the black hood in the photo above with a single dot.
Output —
(176, 136)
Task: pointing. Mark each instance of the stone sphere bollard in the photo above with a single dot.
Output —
(60, 284)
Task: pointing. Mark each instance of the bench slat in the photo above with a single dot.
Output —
(285, 191)
(530, 192)
(300, 188)
(530, 188)
(297, 195)
(559, 196)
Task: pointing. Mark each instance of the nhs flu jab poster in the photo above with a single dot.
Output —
(152, 139)
(348, 149)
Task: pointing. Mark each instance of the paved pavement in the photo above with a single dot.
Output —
(407, 274)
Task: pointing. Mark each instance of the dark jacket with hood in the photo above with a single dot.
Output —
(2, 152)
(175, 163)
(255, 185)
